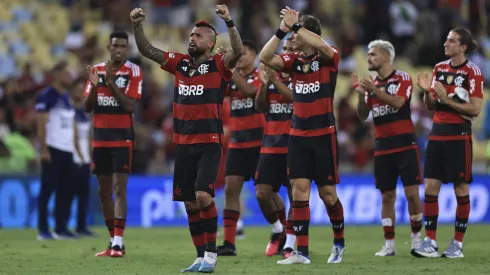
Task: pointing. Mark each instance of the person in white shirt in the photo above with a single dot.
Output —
(56, 132)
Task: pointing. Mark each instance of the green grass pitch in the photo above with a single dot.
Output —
(168, 250)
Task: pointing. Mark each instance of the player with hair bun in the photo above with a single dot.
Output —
(455, 93)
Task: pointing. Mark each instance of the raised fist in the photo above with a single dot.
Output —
(223, 12)
(137, 15)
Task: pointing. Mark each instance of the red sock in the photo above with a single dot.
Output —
(282, 216)
(389, 232)
(301, 221)
(431, 213)
(119, 225)
(197, 231)
(336, 215)
(209, 218)
(289, 227)
(230, 219)
(109, 223)
(462, 215)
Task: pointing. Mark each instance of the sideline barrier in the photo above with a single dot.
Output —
(150, 203)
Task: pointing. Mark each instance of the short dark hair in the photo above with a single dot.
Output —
(311, 23)
(119, 34)
(466, 38)
(251, 46)
(58, 67)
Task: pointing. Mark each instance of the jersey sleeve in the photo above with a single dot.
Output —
(44, 102)
(334, 62)
(476, 82)
(255, 80)
(225, 71)
(406, 87)
(434, 79)
(172, 59)
(288, 60)
(88, 86)
(134, 88)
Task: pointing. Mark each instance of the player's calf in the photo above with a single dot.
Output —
(231, 214)
(415, 210)
(264, 195)
(335, 210)
(120, 212)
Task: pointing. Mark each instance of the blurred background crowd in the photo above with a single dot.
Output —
(35, 34)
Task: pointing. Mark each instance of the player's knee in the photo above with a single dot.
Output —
(232, 190)
(328, 194)
(105, 192)
(119, 190)
(461, 189)
(432, 186)
(388, 196)
(263, 194)
(203, 198)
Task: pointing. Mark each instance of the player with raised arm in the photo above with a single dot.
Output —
(396, 154)
(275, 98)
(247, 127)
(312, 148)
(200, 82)
(111, 93)
(455, 93)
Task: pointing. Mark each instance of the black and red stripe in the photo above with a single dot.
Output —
(278, 121)
(394, 129)
(313, 96)
(198, 97)
(245, 123)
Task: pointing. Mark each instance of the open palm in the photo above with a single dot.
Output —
(423, 81)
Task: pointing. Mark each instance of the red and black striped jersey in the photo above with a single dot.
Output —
(448, 123)
(393, 128)
(246, 124)
(113, 126)
(278, 119)
(314, 79)
(198, 97)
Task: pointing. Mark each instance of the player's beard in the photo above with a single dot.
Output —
(374, 68)
(195, 52)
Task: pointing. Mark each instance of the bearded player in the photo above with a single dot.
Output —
(111, 94)
(312, 148)
(396, 154)
(200, 82)
(455, 94)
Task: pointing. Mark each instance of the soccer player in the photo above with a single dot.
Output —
(312, 148)
(247, 127)
(57, 135)
(275, 98)
(111, 94)
(200, 83)
(455, 93)
(82, 165)
(388, 97)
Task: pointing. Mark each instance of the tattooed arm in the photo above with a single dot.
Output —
(232, 57)
(237, 50)
(143, 44)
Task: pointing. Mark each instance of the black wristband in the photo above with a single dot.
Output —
(296, 27)
(230, 24)
(281, 34)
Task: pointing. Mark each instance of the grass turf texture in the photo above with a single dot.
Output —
(168, 250)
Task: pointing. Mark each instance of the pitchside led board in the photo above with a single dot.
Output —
(150, 203)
